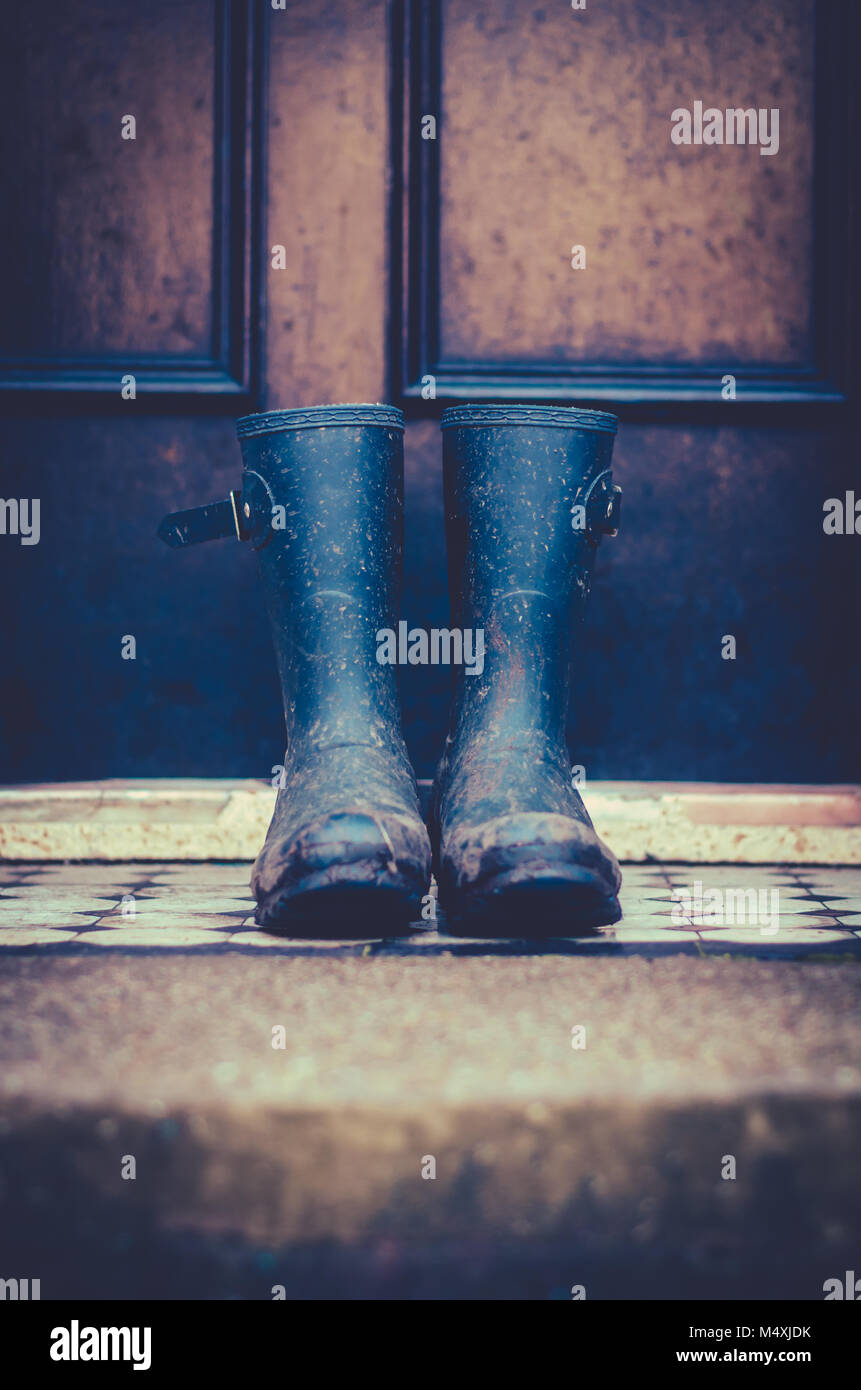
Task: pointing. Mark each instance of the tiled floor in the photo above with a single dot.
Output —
(767, 911)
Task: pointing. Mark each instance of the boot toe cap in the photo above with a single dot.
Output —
(540, 873)
(345, 864)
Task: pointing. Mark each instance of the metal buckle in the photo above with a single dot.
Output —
(602, 503)
(235, 499)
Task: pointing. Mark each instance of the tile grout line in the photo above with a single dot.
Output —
(653, 876)
(822, 901)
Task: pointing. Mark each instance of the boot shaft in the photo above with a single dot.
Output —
(528, 495)
(322, 503)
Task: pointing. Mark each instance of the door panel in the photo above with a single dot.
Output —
(578, 226)
(556, 131)
(127, 196)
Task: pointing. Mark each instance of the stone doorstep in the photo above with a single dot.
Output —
(304, 1166)
(621, 1199)
(226, 819)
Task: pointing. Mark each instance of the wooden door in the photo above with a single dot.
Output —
(335, 200)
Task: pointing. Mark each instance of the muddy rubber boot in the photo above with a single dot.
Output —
(347, 853)
(528, 493)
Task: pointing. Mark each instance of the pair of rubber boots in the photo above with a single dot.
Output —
(528, 495)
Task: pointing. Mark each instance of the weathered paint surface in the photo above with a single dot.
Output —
(556, 131)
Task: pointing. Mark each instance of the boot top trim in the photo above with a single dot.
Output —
(539, 416)
(319, 416)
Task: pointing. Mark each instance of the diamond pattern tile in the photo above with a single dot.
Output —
(209, 906)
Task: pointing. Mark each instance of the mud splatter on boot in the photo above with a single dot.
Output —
(347, 853)
(528, 496)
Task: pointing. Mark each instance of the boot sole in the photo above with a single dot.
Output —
(528, 905)
(340, 903)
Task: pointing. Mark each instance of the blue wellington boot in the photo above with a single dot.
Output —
(347, 853)
(529, 494)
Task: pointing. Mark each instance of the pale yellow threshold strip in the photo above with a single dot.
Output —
(226, 819)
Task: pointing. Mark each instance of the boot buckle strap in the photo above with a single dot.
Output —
(602, 504)
(215, 521)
